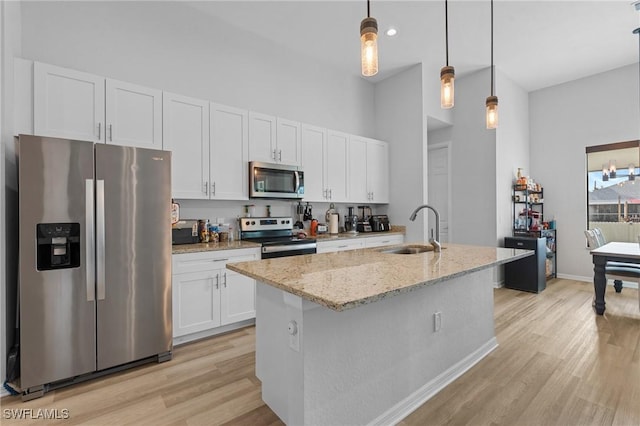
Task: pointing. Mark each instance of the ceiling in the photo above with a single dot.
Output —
(537, 43)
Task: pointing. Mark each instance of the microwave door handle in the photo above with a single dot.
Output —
(297, 181)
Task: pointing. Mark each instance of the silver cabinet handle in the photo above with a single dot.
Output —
(225, 279)
(274, 154)
(111, 132)
(330, 194)
(220, 260)
(100, 240)
(213, 189)
(217, 280)
(99, 131)
(343, 246)
(324, 193)
(90, 246)
(280, 155)
(206, 188)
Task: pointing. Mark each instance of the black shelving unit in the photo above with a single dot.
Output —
(528, 218)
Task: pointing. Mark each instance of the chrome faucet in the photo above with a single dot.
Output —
(433, 241)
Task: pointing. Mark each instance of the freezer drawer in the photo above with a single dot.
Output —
(526, 274)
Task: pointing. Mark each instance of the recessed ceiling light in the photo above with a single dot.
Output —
(391, 32)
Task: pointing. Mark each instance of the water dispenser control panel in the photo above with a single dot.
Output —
(58, 245)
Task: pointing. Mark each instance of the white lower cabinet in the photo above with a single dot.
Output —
(206, 295)
(358, 243)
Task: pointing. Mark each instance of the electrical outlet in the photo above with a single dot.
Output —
(437, 321)
(294, 335)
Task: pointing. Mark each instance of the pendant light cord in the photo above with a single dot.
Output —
(491, 47)
(446, 29)
(368, 11)
(637, 31)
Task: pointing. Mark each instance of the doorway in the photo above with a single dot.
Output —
(439, 185)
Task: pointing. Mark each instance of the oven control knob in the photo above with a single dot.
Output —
(253, 222)
(246, 223)
(282, 221)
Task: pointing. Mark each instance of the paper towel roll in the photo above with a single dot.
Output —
(333, 223)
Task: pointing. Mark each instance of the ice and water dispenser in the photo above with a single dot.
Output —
(58, 245)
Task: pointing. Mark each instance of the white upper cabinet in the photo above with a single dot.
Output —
(289, 142)
(313, 163)
(186, 135)
(68, 103)
(262, 137)
(368, 170)
(274, 140)
(336, 176)
(378, 171)
(76, 105)
(133, 115)
(358, 170)
(229, 153)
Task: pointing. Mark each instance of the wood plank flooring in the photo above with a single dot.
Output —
(557, 364)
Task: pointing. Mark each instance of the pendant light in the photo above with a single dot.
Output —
(492, 101)
(447, 73)
(632, 172)
(613, 171)
(605, 173)
(369, 45)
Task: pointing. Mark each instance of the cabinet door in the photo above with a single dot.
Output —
(336, 160)
(133, 115)
(229, 158)
(358, 170)
(262, 137)
(196, 302)
(289, 142)
(238, 297)
(378, 171)
(313, 163)
(68, 103)
(186, 134)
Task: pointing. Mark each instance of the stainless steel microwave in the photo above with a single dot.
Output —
(268, 180)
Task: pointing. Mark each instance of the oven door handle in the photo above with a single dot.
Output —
(288, 247)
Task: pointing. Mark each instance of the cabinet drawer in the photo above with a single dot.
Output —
(340, 245)
(206, 261)
(387, 240)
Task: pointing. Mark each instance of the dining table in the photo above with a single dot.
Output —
(610, 252)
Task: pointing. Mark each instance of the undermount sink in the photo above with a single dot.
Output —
(410, 249)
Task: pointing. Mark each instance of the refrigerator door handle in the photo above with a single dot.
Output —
(90, 248)
(100, 237)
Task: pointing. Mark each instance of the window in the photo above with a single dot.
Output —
(613, 190)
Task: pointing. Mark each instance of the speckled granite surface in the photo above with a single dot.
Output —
(347, 279)
(199, 247)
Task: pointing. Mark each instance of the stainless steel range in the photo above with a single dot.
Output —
(276, 236)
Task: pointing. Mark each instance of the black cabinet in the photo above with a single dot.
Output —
(527, 274)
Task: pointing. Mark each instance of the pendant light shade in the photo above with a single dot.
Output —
(369, 45)
(447, 73)
(492, 101)
(605, 173)
(613, 171)
(632, 172)
(492, 112)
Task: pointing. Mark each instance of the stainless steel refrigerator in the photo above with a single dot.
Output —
(95, 258)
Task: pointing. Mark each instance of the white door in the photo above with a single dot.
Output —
(229, 153)
(337, 172)
(186, 135)
(196, 302)
(289, 145)
(68, 103)
(313, 143)
(439, 184)
(238, 294)
(133, 115)
(378, 171)
(358, 170)
(262, 137)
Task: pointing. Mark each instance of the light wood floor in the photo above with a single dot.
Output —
(557, 364)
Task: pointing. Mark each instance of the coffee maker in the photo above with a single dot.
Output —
(363, 224)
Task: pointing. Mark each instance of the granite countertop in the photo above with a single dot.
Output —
(347, 279)
(199, 247)
(240, 244)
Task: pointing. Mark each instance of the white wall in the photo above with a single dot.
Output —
(9, 47)
(473, 150)
(173, 47)
(512, 149)
(565, 119)
(399, 120)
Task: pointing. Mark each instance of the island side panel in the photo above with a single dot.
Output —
(374, 361)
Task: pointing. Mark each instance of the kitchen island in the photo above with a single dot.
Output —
(366, 336)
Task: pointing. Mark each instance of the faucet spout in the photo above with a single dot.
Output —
(435, 242)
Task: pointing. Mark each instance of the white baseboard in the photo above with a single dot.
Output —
(408, 405)
(576, 278)
(3, 392)
(180, 340)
